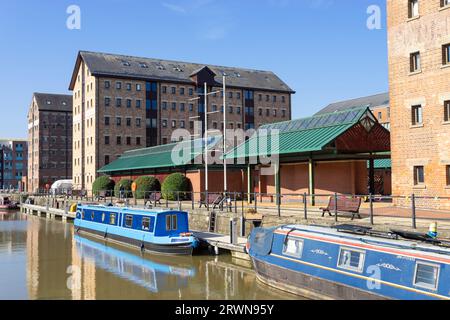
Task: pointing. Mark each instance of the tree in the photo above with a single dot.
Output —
(103, 183)
(173, 184)
(146, 185)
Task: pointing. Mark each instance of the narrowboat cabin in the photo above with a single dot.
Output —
(155, 274)
(162, 232)
(351, 263)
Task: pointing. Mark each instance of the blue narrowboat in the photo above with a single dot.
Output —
(161, 232)
(351, 263)
(152, 275)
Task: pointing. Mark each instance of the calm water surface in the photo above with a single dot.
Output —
(42, 259)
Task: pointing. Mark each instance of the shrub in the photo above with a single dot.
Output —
(126, 185)
(145, 185)
(175, 182)
(102, 183)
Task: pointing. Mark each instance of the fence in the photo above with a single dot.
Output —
(340, 207)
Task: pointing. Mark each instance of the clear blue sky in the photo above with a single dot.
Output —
(321, 48)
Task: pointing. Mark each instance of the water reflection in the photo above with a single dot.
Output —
(42, 259)
(149, 274)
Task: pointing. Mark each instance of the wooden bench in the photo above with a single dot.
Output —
(214, 199)
(344, 205)
(155, 197)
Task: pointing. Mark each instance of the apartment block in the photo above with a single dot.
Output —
(13, 163)
(49, 140)
(122, 103)
(419, 77)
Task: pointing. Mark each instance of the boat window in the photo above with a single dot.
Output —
(112, 219)
(168, 223)
(92, 215)
(426, 276)
(103, 217)
(174, 222)
(82, 214)
(351, 260)
(128, 221)
(146, 224)
(293, 247)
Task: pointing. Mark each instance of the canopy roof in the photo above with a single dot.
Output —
(345, 132)
(165, 156)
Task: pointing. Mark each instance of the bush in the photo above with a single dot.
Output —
(126, 185)
(102, 183)
(175, 182)
(145, 185)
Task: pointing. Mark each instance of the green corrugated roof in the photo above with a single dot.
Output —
(299, 136)
(381, 164)
(170, 155)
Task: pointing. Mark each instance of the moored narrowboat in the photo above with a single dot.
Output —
(161, 232)
(351, 262)
(7, 204)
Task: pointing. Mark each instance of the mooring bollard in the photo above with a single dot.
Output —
(233, 231)
(242, 218)
(413, 205)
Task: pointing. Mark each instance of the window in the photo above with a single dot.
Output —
(138, 87)
(230, 109)
(174, 106)
(191, 91)
(274, 112)
(118, 85)
(128, 86)
(415, 62)
(413, 8)
(138, 104)
(191, 107)
(445, 3)
(274, 98)
(426, 276)
(260, 97)
(164, 105)
(283, 113)
(128, 221)
(293, 247)
(107, 84)
(103, 217)
(182, 107)
(446, 54)
(106, 121)
(118, 121)
(119, 141)
(267, 112)
(128, 103)
(447, 173)
(128, 141)
(138, 141)
(174, 222)
(138, 122)
(283, 99)
(146, 224)
(164, 123)
(107, 102)
(118, 102)
(168, 223)
(106, 140)
(352, 260)
(174, 90)
(174, 123)
(128, 122)
(230, 95)
(181, 91)
(92, 216)
(238, 110)
(417, 115)
(447, 111)
(260, 112)
(419, 175)
(106, 160)
(182, 124)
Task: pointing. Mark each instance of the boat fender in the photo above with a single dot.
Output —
(142, 246)
(106, 233)
(78, 230)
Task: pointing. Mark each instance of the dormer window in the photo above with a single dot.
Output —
(64, 103)
(125, 63)
(143, 65)
(49, 102)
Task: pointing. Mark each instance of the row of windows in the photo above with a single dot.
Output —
(417, 114)
(128, 141)
(426, 275)
(414, 9)
(128, 86)
(416, 62)
(419, 175)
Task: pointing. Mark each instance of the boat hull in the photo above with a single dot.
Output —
(147, 246)
(307, 286)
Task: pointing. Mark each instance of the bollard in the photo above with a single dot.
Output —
(336, 207)
(413, 204)
(233, 231)
(305, 204)
(242, 227)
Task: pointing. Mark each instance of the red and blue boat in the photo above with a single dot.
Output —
(351, 262)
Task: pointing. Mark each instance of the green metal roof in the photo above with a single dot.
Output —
(381, 164)
(165, 156)
(299, 136)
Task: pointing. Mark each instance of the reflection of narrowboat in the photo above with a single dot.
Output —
(350, 262)
(146, 273)
(7, 204)
(163, 232)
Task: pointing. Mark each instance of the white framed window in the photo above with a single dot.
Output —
(293, 247)
(128, 221)
(426, 275)
(351, 259)
(413, 8)
(415, 65)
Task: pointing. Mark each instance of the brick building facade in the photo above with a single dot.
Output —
(49, 140)
(419, 76)
(123, 103)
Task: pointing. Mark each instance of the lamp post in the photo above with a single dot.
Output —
(225, 185)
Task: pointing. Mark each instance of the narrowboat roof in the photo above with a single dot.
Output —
(326, 233)
(135, 211)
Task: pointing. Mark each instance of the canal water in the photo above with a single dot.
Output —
(42, 259)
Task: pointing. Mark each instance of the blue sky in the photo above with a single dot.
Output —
(321, 48)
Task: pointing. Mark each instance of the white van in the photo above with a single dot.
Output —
(61, 187)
